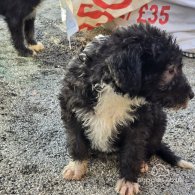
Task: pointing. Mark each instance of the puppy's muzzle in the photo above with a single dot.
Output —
(191, 96)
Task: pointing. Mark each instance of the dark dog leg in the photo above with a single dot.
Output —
(132, 155)
(29, 33)
(156, 135)
(169, 156)
(16, 28)
(156, 146)
(78, 149)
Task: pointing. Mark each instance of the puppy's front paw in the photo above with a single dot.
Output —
(124, 187)
(26, 52)
(75, 170)
(144, 167)
(38, 47)
(185, 164)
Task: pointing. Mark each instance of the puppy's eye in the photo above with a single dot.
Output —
(171, 71)
(168, 75)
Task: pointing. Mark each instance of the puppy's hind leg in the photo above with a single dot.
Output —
(167, 155)
(16, 27)
(30, 34)
(78, 149)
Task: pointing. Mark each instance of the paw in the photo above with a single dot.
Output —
(126, 188)
(185, 164)
(38, 47)
(144, 167)
(75, 170)
(26, 52)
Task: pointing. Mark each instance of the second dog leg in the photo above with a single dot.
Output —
(17, 33)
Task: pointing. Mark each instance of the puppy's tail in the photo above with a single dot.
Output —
(166, 154)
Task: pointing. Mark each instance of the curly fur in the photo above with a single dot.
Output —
(106, 118)
(114, 93)
(20, 16)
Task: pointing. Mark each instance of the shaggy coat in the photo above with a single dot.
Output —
(113, 97)
(20, 17)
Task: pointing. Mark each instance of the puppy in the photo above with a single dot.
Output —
(113, 97)
(20, 17)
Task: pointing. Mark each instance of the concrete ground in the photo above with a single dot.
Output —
(32, 141)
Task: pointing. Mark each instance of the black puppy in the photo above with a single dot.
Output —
(113, 97)
(20, 17)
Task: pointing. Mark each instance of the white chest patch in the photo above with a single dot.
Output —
(111, 110)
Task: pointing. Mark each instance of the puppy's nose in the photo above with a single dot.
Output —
(191, 95)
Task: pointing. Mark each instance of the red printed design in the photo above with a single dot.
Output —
(164, 14)
(141, 13)
(104, 5)
(126, 16)
(92, 14)
(97, 13)
(99, 8)
(154, 9)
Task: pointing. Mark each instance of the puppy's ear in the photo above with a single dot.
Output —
(161, 50)
(125, 69)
